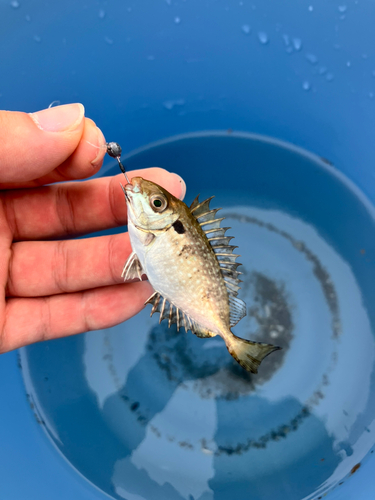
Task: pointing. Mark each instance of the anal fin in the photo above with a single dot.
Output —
(175, 316)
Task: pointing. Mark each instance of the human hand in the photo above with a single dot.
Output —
(52, 286)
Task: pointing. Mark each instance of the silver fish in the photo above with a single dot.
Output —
(191, 266)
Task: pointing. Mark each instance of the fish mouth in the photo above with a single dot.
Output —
(129, 190)
(133, 188)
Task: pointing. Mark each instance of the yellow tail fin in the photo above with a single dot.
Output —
(247, 353)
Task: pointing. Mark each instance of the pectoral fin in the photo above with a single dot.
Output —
(132, 269)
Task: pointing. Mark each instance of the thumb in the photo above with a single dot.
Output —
(35, 144)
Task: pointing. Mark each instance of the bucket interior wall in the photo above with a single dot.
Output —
(270, 107)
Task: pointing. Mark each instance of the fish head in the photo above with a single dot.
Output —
(150, 207)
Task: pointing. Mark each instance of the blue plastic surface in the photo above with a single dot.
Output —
(146, 70)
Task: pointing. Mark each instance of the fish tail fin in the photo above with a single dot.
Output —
(247, 353)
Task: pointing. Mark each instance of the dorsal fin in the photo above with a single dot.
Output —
(194, 203)
(200, 208)
(176, 316)
(219, 243)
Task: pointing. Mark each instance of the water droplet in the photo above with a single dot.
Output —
(37, 38)
(241, 3)
(246, 29)
(336, 46)
(297, 43)
(322, 70)
(28, 18)
(286, 40)
(151, 58)
(329, 77)
(311, 58)
(371, 95)
(15, 4)
(177, 20)
(168, 2)
(101, 14)
(348, 63)
(263, 37)
(342, 17)
(172, 103)
(373, 73)
(342, 8)
(364, 56)
(311, 8)
(306, 85)
(289, 49)
(129, 9)
(108, 40)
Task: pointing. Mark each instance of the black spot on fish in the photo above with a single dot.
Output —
(134, 406)
(178, 227)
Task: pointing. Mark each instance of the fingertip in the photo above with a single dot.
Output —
(88, 156)
(100, 153)
(180, 185)
(67, 117)
(170, 181)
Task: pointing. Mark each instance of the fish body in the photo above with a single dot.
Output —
(191, 266)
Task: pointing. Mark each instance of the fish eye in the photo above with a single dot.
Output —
(158, 203)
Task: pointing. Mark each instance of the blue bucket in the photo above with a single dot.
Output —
(272, 109)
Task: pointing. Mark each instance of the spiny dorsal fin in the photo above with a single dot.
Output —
(201, 208)
(207, 215)
(175, 316)
(194, 203)
(219, 242)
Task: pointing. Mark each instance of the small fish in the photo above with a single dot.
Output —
(191, 266)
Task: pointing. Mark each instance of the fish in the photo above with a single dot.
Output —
(190, 264)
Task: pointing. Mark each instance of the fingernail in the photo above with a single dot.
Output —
(59, 118)
(100, 142)
(183, 186)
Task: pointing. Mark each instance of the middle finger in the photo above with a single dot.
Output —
(43, 268)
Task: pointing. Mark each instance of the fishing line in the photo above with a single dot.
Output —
(54, 103)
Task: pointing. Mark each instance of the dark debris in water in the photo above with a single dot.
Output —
(38, 419)
(134, 406)
(275, 435)
(355, 468)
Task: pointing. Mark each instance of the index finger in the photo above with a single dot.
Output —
(77, 207)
